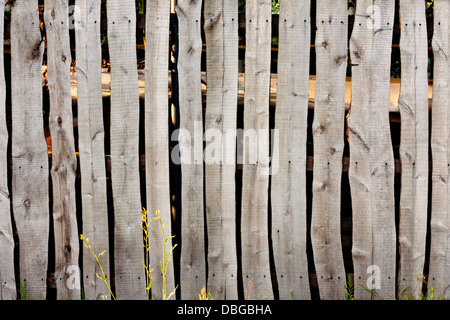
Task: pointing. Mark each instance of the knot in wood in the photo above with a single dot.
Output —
(27, 203)
(30, 157)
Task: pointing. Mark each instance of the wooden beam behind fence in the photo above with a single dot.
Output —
(221, 33)
(371, 172)
(30, 176)
(130, 278)
(288, 184)
(309, 164)
(91, 145)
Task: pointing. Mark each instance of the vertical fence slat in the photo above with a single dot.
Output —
(413, 104)
(439, 275)
(328, 134)
(221, 33)
(130, 280)
(157, 135)
(64, 162)
(29, 150)
(91, 147)
(7, 277)
(371, 171)
(288, 185)
(255, 175)
(193, 266)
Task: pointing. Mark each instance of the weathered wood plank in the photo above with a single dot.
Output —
(7, 277)
(221, 33)
(255, 174)
(64, 162)
(130, 277)
(439, 275)
(371, 172)
(193, 264)
(157, 135)
(29, 150)
(288, 186)
(413, 103)
(91, 147)
(328, 134)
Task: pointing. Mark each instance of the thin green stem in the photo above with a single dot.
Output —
(103, 276)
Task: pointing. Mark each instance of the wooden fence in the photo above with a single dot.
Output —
(235, 185)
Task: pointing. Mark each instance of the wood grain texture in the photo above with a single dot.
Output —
(288, 185)
(439, 273)
(30, 172)
(190, 139)
(221, 33)
(91, 145)
(130, 279)
(328, 134)
(413, 103)
(371, 171)
(64, 162)
(7, 276)
(255, 172)
(157, 135)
